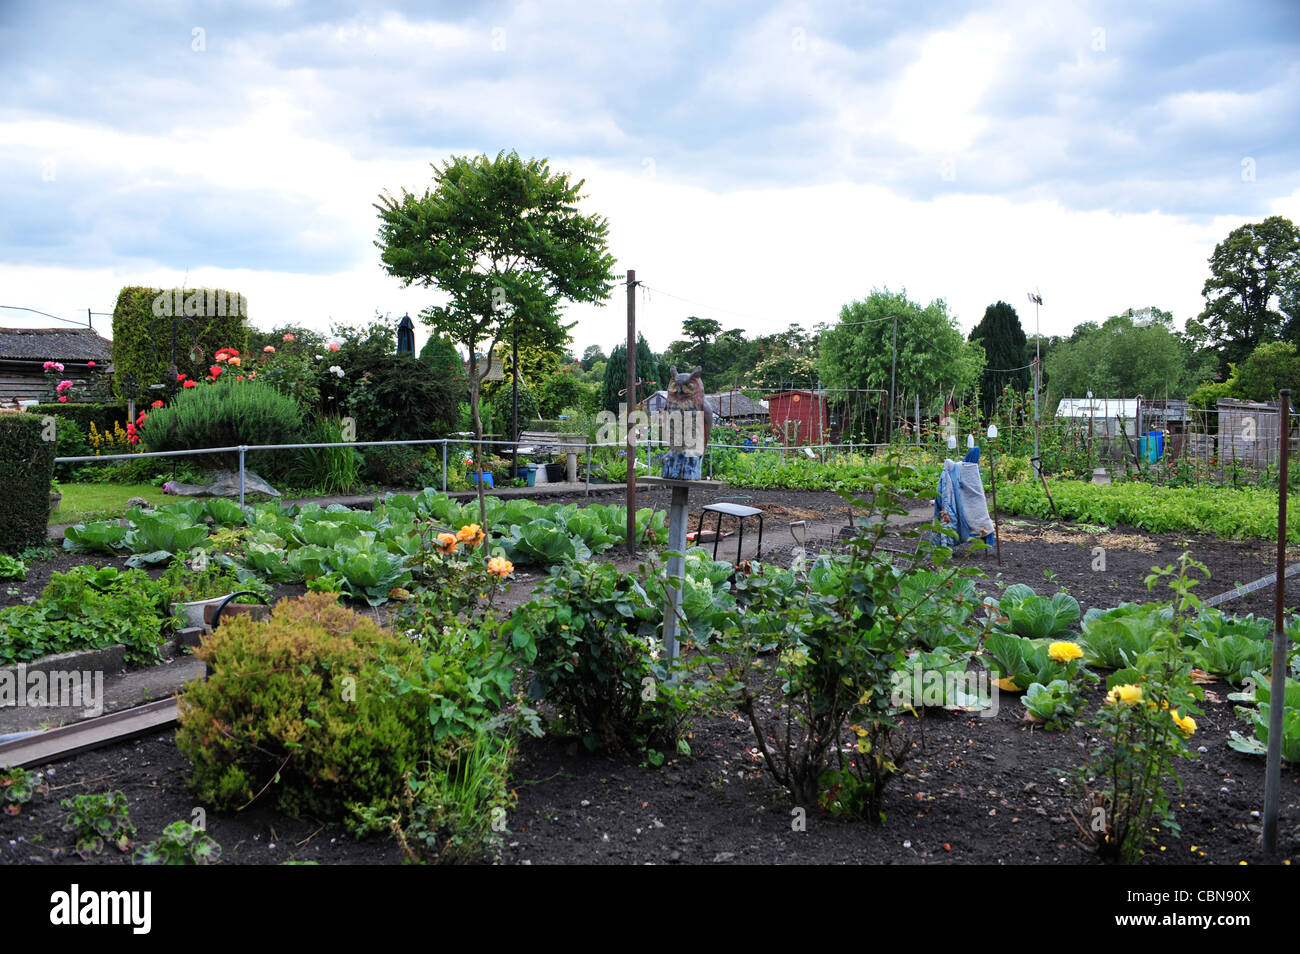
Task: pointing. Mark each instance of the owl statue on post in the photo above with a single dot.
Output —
(686, 423)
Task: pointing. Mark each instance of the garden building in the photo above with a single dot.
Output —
(24, 352)
(799, 417)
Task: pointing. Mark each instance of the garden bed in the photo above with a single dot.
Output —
(976, 790)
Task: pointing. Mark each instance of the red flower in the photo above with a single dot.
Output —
(156, 404)
(190, 384)
(214, 371)
(180, 377)
(90, 364)
(62, 399)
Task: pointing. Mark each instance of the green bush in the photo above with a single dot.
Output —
(591, 630)
(393, 397)
(26, 468)
(224, 414)
(325, 470)
(142, 340)
(329, 714)
(393, 466)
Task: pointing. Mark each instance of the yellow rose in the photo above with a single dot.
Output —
(500, 567)
(1125, 694)
(1064, 652)
(471, 535)
(1185, 723)
(448, 542)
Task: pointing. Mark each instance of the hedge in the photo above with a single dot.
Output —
(210, 319)
(26, 466)
(103, 416)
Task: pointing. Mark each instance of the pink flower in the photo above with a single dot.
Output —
(269, 349)
(287, 338)
(235, 361)
(64, 386)
(334, 346)
(90, 364)
(62, 399)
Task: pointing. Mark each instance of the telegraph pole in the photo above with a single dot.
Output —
(630, 405)
(893, 368)
(1037, 299)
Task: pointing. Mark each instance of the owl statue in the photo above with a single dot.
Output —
(691, 423)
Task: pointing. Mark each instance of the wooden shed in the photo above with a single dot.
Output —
(799, 417)
(24, 351)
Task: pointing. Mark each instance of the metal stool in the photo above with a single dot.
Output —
(734, 510)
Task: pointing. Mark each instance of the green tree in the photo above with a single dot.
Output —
(1251, 294)
(591, 355)
(1137, 352)
(1003, 339)
(504, 241)
(649, 373)
(933, 357)
(1268, 369)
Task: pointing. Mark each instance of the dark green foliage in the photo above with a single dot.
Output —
(142, 340)
(1003, 339)
(396, 397)
(440, 354)
(1266, 370)
(648, 370)
(26, 468)
(1254, 277)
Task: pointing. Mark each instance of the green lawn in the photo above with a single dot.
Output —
(84, 502)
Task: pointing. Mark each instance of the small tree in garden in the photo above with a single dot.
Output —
(504, 241)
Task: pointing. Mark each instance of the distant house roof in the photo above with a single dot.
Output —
(734, 404)
(54, 344)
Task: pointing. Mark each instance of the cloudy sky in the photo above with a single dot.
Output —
(760, 163)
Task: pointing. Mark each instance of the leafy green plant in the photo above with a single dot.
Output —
(1054, 704)
(1035, 616)
(1142, 730)
(182, 843)
(87, 608)
(841, 636)
(452, 813)
(590, 635)
(186, 585)
(158, 536)
(1227, 513)
(1260, 693)
(1114, 639)
(105, 536)
(12, 568)
(96, 820)
(18, 787)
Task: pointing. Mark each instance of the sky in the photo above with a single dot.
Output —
(760, 163)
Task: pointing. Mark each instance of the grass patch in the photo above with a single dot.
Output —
(85, 502)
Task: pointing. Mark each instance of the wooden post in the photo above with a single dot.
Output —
(676, 568)
(1277, 695)
(631, 405)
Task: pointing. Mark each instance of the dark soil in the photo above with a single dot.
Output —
(976, 790)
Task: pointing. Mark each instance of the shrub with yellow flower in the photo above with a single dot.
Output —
(1127, 694)
(447, 542)
(499, 566)
(1186, 724)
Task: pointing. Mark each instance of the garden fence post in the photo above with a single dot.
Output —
(242, 448)
(444, 465)
(1277, 694)
(587, 472)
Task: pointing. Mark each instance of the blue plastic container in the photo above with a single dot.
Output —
(487, 479)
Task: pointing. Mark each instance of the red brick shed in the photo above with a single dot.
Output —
(798, 417)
